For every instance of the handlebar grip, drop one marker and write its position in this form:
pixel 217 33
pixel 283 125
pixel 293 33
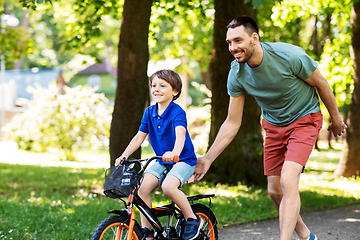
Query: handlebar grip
pixel 175 159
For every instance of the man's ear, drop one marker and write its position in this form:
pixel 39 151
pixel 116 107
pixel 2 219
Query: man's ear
pixel 255 37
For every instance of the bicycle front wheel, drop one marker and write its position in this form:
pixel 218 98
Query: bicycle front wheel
pixel 115 228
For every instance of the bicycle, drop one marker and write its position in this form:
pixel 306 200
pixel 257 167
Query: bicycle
pixel 123 181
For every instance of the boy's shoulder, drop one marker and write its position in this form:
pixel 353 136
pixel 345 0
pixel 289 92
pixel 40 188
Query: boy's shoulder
pixel 175 109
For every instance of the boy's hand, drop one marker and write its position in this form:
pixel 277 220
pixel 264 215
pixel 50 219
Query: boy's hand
pixel 168 157
pixel 119 160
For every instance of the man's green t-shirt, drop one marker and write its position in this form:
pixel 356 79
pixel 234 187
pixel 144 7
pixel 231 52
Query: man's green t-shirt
pixel 278 83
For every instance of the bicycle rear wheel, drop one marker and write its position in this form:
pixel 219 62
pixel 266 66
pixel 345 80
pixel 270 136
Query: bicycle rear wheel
pixel 115 227
pixel 209 229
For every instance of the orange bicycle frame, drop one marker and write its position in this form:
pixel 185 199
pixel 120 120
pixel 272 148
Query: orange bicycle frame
pixel 132 215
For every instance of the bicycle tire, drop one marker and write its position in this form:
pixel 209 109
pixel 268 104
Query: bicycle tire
pixel 108 228
pixel 209 229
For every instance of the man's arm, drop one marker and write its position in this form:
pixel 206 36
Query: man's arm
pixel 225 135
pixel 337 126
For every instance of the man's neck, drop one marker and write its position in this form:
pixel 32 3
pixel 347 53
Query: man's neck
pixel 257 57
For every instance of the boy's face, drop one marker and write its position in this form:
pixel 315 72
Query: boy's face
pixel 162 91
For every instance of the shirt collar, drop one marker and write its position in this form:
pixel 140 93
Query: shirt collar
pixel 166 113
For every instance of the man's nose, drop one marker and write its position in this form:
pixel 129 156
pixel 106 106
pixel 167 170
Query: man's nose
pixel 232 47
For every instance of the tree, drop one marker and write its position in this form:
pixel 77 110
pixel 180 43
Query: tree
pixel 14 41
pixel 349 164
pixel 83 30
pixel 242 159
pixel 183 29
pixel 132 93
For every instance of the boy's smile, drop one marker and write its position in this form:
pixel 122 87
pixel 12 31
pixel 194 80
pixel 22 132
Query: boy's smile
pixel 162 92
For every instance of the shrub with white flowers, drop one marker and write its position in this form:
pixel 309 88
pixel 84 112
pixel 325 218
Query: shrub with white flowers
pixel 79 118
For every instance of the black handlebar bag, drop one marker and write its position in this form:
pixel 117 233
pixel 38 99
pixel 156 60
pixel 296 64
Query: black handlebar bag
pixel 119 180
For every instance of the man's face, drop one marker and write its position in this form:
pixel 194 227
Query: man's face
pixel 240 44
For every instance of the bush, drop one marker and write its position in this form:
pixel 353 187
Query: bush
pixel 80 117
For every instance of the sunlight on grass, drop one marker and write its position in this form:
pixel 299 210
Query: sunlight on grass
pixel 318 178
pixel 326 185
pixel 222 190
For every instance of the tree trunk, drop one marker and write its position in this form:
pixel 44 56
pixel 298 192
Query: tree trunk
pixel 242 159
pixel 349 164
pixel 132 93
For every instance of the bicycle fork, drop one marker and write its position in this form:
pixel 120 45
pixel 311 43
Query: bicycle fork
pixel 145 210
pixel 132 218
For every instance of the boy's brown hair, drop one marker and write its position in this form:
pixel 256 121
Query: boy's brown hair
pixel 170 77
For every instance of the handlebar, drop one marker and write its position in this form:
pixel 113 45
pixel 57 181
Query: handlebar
pixel 147 161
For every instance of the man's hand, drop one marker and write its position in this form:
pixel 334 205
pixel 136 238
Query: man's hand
pixel 337 127
pixel 201 169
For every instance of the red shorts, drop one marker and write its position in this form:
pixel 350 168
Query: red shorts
pixel 291 143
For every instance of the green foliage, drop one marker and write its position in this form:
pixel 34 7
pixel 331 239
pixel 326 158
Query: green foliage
pixel 65 29
pixel 14 43
pixel 182 29
pixel 32 4
pixel 80 117
pixel 336 63
pixel 89 25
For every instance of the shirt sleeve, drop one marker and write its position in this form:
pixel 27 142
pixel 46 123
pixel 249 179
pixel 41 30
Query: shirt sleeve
pixel 144 127
pixel 302 65
pixel 180 119
pixel 233 84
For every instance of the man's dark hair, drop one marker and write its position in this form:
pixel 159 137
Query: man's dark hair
pixel 249 24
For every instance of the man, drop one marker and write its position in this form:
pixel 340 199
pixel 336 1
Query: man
pixel 285 82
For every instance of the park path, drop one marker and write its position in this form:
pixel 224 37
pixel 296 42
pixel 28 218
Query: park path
pixel 332 224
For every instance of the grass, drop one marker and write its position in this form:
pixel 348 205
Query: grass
pixel 66 203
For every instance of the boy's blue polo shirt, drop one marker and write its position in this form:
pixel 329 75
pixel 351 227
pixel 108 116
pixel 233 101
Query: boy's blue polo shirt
pixel 161 130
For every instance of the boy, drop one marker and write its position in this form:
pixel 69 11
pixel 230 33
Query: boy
pixel 166 124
